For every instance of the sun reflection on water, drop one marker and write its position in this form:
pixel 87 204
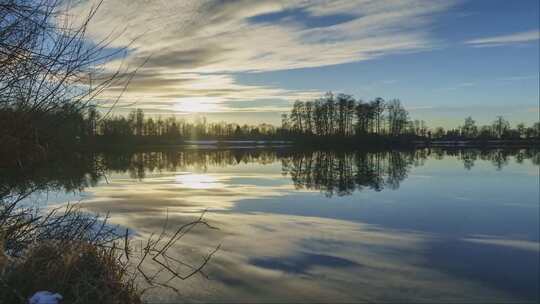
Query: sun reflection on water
pixel 198 181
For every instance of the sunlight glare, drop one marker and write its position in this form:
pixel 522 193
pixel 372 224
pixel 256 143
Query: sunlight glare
pixel 198 181
pixel 197 105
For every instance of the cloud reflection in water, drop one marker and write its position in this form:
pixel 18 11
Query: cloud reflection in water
pixel 281 257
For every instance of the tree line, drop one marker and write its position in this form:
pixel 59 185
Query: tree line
pixel 344 116
pixel 500 128
pixel 336 116
pixel 137 125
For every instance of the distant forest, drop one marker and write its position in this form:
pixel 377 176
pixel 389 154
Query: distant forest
pixel 332 118
pixel 329 120
pixel 344 116
pixel 337 117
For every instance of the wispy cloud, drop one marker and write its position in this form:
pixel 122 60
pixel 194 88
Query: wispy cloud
pixel 518 78
pixel 514 38
pixel 196 47
pixel 462 85
pixel 499 241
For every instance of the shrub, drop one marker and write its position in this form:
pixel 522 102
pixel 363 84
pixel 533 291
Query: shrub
pixel 80 272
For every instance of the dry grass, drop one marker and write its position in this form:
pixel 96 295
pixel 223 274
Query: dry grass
pixel 80 272
pixel 83 258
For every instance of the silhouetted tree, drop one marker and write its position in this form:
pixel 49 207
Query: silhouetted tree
pixel 469 129
pixel 500 127
pixel 378 106
pixel 397 117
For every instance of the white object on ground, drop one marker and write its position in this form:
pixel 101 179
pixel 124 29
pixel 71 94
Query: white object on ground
pixel 45 297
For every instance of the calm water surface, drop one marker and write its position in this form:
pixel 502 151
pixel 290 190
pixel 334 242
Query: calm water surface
pixel 428 225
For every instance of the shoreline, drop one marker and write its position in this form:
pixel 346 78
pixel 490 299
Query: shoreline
pixel 348 143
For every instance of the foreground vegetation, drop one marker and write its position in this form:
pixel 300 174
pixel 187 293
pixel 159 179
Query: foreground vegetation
pixel 44 65
pixel 78 272
pixel 49 77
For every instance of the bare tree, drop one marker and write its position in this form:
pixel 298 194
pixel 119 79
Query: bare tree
pixel 500 126
pixel 397 117
pixel 48 67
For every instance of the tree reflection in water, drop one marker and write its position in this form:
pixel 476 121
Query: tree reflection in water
pixel 332 172
pixel 342 173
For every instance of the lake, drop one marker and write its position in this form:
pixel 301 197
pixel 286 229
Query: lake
pixel 427 225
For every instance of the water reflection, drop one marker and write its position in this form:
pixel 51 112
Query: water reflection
pixel 68 173
pixel 330 172
pixel 425 225
pixel 197 181
pixel 343 173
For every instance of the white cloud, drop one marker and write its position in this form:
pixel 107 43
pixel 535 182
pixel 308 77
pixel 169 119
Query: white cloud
pixel 518 78
pixel 521 37
pixel 194 47
pixel 459 86
pixel 517 244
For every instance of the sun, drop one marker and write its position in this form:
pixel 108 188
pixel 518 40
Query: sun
pixel 197 104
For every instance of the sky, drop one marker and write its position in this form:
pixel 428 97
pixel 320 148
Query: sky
pixel 246 61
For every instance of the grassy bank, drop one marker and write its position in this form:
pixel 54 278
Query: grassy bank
pixel 64 251
pixel 81 257
pixel 80 272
